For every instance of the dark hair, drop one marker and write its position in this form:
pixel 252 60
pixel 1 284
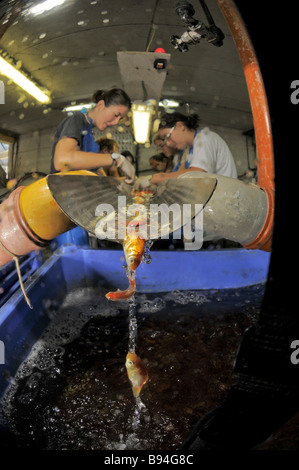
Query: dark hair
pixel 169 120
pixel 105 143
pixel 127 153
pixel 159 157
pixel 115 96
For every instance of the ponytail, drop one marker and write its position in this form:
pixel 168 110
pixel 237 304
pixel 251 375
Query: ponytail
pixel 113 97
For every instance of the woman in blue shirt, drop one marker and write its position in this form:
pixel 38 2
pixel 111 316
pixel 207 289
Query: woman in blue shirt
pixel 74 147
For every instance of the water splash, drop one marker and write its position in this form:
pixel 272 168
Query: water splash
pixel 139 408
pixel 132 302
pixel 147 258
pixel 132 324
pixel 133 327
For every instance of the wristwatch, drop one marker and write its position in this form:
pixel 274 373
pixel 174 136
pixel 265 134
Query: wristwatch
pixel 115 156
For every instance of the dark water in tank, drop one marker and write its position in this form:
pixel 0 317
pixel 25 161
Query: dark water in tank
pixel 73 393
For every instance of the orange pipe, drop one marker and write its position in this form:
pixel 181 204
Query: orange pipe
pixel 261 117
pixel 44 216
pixel 15 235
pixel 30 218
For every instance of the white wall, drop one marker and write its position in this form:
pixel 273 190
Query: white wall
pixel 34 153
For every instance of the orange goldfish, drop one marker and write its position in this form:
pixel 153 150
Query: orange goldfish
pixel 133 249
pixel 123 294
pixel 133 246
pixel 137 372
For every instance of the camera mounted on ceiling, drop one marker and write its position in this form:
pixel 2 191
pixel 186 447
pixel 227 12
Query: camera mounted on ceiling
pixel 160 64
pixel 197 30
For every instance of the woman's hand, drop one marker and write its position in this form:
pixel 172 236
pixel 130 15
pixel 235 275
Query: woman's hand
pixel 128 169
pixel 160 177
pixel 142 183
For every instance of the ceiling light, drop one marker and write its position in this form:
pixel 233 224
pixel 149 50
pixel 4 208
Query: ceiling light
pixel 169 103
pixel 2 98
pixel 142 114
pixel 45 6
pixel 20 79
pixel 77 107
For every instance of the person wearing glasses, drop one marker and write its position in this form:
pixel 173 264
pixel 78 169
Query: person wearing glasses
pixel 173 154
pixel 207 151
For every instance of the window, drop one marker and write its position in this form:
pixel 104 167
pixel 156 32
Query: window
pixel 4 149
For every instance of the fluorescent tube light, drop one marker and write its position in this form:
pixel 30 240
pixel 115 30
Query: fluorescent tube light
pixel 142 119
pixel 20 79
pixel 166 103
pixel 45 6
pixel 77 107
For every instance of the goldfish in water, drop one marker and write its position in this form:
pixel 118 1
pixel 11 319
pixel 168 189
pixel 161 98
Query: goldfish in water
pixel 137 372
pixel 133 249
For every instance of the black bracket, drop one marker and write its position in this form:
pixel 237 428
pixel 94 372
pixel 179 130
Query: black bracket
pixel 197 30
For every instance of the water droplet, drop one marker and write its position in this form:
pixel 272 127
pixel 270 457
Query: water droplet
pixel 21 99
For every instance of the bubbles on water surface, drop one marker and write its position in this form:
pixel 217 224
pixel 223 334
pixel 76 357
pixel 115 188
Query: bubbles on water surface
pixel 184 297
pixel 151 306
pixel 73 391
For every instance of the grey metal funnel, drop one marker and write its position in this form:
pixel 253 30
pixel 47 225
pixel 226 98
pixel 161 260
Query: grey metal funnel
pixel 83 198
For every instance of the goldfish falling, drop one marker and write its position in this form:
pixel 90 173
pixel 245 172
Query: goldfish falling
pixel 133 249
pixel 133 246
pixel 137 372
